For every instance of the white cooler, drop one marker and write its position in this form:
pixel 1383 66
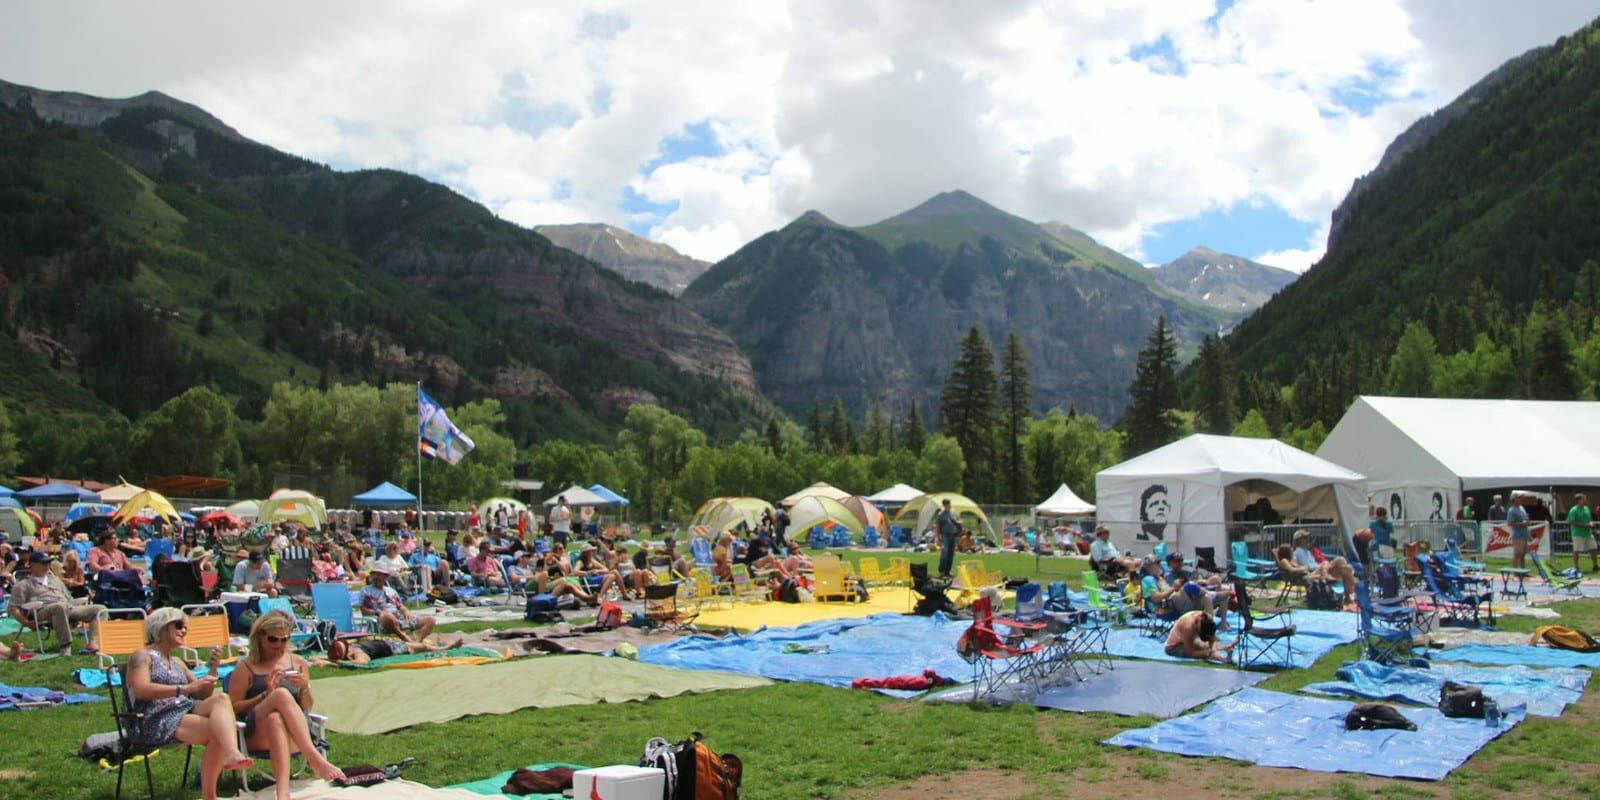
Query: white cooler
pixel 619 783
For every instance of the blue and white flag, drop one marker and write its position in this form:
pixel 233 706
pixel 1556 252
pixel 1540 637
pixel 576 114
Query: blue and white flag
pixel 437 436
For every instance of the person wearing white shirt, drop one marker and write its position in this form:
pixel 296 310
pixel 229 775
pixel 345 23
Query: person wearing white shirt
pixel 392 563
pixel 561 521
pixel 1105 557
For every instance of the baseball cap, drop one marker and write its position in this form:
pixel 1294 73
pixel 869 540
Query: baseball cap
pixel 257 555
pixel 38 557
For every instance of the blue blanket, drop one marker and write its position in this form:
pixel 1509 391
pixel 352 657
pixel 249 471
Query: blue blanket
pixel 1546 692
pixel 13 697
pixel 830 652
pixel 1316 632
pixel 1273 729
pixel 1518 654
pixel 96 678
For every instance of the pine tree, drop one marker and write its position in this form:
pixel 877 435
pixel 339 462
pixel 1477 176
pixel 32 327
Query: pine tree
pixel 1151 419
pixel 1411 367
pixel 774 436
pixel 915 434
pixel 1216 387
pixel 816 435
pixel 841 434
pixel 873 440
pixel 967 411
pixel 1016 413
pixel 1554 375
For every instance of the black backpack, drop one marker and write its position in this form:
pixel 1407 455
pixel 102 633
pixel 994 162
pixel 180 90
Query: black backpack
pixel 1456 700
pixel 1376 716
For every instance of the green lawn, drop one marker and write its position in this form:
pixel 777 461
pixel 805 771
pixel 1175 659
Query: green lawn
pixel 806 741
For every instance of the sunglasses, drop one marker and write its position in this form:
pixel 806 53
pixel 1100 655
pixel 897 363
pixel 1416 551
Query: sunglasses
pixel 276 639
pixel 182 626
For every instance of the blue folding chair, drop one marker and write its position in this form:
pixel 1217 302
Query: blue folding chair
pixel 1453 598
pixel 870 537
pixel 1251 571
pixel 332 602
pixel 1386 630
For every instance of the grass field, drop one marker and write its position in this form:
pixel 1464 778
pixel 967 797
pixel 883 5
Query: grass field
pixel 808 741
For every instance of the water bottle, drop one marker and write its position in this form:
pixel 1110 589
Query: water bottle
pixel 1491 713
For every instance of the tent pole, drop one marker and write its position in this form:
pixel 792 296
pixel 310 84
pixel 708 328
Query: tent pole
pixel 419 466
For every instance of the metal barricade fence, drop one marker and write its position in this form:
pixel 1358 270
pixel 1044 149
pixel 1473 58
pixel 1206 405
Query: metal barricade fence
pixel 1435 533
pixel 1561 537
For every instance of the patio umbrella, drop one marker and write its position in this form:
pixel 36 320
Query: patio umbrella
pixel 222 517
pixel 121 493
pixel 86 523
pixel 83 509
pixel 146 504
pixel 56 491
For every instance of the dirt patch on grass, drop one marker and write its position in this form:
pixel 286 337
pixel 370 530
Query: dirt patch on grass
pixel 1127 774
pixel 15 774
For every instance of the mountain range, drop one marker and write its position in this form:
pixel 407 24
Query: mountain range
pixel 629 254
pixel 1230 283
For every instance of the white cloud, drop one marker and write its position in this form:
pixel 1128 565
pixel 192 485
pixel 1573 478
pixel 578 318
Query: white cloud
pixel 1298 259
pixel 858 108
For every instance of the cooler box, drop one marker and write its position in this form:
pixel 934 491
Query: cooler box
pixel 619 783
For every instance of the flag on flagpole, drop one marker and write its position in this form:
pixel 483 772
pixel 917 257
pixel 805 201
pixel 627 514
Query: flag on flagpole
pixel 437 436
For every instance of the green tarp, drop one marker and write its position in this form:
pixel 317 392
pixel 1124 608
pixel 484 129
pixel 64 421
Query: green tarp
pixel 389 700
pixel 494 783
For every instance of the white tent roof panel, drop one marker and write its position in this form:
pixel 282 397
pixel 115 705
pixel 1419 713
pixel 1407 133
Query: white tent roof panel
pixel 1064 503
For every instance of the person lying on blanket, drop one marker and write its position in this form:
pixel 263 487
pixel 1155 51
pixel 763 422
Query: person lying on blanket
pixel 363 651
pixel 381 601
pixel 1194 635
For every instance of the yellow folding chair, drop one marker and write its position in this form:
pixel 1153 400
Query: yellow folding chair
pixel 122 635
pixel 208 629
pixel 744 586
pixel 872 573
pixel 900 571
pixel 833 585
pixel 975 576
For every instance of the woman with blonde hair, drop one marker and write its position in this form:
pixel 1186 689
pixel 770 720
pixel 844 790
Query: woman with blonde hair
pixel 271 693
pixel 72 573
pixel 174 705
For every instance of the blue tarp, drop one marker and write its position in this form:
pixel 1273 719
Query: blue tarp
pixel 1546 692
pixel 96 678
pixel 1135 688
pixel 1316 632
pixel 1273 729
pixel 57 491
pixel 385 494
pixel 871 647
pixel 610 496
pixel 1518 654
pixel 11 696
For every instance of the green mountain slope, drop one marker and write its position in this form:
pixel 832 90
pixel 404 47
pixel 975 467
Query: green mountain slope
pixel 875 313
pixel 1504 195
pixel 158 249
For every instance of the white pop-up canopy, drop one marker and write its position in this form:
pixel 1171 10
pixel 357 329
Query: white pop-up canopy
pixel 1419 454
pixel 577 496
pixel 1065 503
pixel 1187 492
pixel 896 495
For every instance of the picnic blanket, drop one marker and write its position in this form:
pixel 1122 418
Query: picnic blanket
pixel 1273 729
pixel 830 652
pixel 388 700
pixel 1545 692
pixel 564 638
pixel 13 698
pixel 453 657
pixel 1136 688
pixel 492 785
pixel 746 616
pixel 91 678
pixel 1519 654
pixel 1316 633
pixel 398 789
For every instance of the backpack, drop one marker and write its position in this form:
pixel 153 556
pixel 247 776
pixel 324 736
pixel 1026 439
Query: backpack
pixel 610 615
pixel 693 771
pixel 542 608
pixel 1376 716
pixel 1565 638
pixel 1319 594
pixel 444 594
pixel 1456 700
pixel 788 591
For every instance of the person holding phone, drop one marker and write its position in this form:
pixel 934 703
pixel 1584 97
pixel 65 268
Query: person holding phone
pixel 271 693
pixel 174 705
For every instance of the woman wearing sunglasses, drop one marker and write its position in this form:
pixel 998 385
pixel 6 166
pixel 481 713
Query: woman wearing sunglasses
pixel 174 705
pixel 271 693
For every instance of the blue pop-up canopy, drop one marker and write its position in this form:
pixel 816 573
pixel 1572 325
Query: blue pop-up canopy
pixel 609 495
pixel 57 491
pixel 385 494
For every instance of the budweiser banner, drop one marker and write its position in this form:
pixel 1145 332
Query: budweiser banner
pixel 1498 539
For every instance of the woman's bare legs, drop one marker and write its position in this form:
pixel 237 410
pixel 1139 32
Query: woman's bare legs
pixel 281 703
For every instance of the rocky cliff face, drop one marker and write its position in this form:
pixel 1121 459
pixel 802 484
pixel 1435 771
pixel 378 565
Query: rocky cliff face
pixel 634 257
pixel 827 310
pixel 1230 283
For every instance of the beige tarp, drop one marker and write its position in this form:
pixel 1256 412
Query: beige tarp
pixel 395 699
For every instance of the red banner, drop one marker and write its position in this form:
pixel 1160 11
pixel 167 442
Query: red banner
pixel 1500 536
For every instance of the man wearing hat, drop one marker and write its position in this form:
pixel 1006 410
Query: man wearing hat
pixel 254 574
pixel 41 597
pixel 381 601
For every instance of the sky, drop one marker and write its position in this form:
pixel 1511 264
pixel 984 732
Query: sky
pixel 1154 125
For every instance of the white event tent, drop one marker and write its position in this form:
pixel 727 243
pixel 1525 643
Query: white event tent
pixel 1186 493
pixel 577 496
pixel 1064 503
pixel 896 495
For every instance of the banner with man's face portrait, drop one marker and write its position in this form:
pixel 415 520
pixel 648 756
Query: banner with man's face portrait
pixel 1158 508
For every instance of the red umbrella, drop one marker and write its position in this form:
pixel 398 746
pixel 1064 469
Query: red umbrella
pixel 224 517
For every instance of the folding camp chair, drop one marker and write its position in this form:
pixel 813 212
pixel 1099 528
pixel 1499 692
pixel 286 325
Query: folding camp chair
pixel 127 721
pixel 208 629
pixel 872 572
pixel 1003 653
pixel 332 602
pixel 1556 584
pixel 744 586
pixel 304 631
pixel 1453 598
pixel 1385 630
pixel 1030 603
pixel 975 575
pixel 1108 606
pixel 118 633
pixel 1252 571
pixel 710 592
pixel 295 577
pixel 1453 551
pixel 661 608
pixel 178 584
pixel 38 625
pixel 1262 646
pixel 700 548
pixel 899 573
pixel 833 585
pixel 119 589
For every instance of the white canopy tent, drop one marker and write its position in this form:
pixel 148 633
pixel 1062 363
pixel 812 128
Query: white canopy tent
pixel 577 497
pixel 1064 503
pixel 1187 492
pixel 896 495
pixel 1420 455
